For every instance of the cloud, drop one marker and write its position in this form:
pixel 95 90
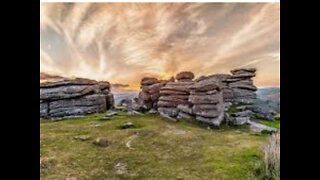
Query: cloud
pixel 122 42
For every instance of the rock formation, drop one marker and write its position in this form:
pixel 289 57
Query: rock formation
pixel 172 95
pixel 175 93
pixel 149 94
pixel 207 100
pixel 201 100
pixel 74 97
pixel 238 90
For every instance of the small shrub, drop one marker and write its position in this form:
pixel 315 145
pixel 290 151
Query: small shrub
pixel 272 157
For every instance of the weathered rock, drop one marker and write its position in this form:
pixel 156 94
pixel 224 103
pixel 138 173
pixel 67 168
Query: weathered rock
pixel 111 113
pixel 257 127
pixel 206 99
pixel 149 81
pixel 154 97
pixel 219 77
pixel 77 81
pixel 263 112
pixel 167 116
pixel 171 103
pixel 212 121
pixel 134 113
pixel 82 137
pixel 184 115
pixel 243 70
pixel 244 86
pixel 185 75
pixel 174 98
pixel 173 92
pixel 66 92
pixel 155 88
pixel 83 105
pixel 243 76
pixel 208 113
pixel 203 93
pixel 74 97
pixel 206 85
pixel 246 113
pixel 169 111
pixel 237 121
pixel 110 101
pixel 200 107
pixel 152 111
pixel 227 105
pixel 144 96
pixel 44 109
pixel 137 106
pixel 149 94
pixel 127 125
pixel 120 168
pixel 101 142
pixel 183 89
pixel 185 108
pixel 241 82
pixel 125 102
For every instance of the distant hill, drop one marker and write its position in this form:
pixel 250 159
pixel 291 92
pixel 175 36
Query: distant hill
pixel 269 93
pixel 269 97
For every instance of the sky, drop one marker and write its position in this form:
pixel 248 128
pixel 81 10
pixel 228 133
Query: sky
pixel 124 42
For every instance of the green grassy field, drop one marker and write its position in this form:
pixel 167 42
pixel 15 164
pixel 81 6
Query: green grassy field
pixel 158 149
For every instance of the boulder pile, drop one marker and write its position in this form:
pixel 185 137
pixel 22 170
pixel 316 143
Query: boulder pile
pixel 207 100
pixel 237 87
pixel 175 93
pixel 242 86
pixel 149 94
pixel 74 97
pixel 238 91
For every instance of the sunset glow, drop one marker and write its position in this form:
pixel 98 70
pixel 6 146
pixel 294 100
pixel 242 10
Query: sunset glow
pixel 123 42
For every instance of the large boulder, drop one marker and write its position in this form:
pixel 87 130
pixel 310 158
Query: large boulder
pixel 185 75
pixel 74 97
pixel 67 91
pixel 243 70
pixel 76 81
pixel 211 121
pixel 149 81
pixel 170 111
pixel 79 106
pixel 206 99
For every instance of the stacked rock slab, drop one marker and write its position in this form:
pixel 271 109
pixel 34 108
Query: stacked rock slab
pixel 242 86
pixel 237 87
pixel 175 94
pixel 222 79
pixel 207 100
pixel 74 97
pixel 150 93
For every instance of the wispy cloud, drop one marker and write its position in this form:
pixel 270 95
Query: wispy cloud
pixel 122 42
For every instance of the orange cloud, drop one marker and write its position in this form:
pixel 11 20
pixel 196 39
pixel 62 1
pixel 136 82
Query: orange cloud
pixel 122 42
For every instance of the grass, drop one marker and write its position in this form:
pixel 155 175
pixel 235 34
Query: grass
pixel 272 157
pixel 160 149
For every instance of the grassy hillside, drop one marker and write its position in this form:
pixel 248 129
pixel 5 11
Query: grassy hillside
pixel 154 149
